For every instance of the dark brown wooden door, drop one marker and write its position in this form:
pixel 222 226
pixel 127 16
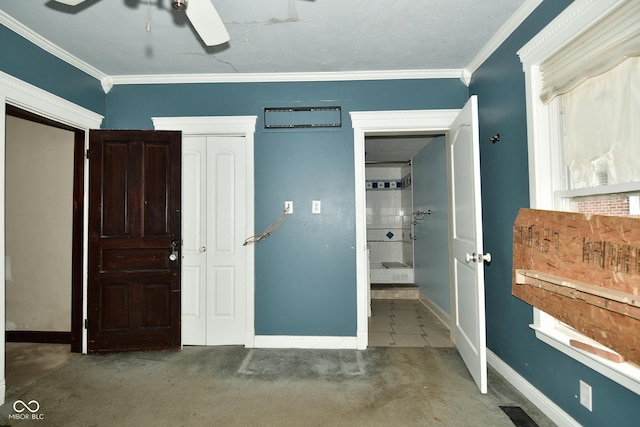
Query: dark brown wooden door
pixel 134 226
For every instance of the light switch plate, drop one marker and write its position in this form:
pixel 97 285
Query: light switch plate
pixel 316 206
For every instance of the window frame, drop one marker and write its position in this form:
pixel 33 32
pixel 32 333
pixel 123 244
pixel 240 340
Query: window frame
pixel 547 179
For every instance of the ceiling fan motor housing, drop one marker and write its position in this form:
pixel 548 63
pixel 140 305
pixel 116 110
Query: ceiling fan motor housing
pixel 179 4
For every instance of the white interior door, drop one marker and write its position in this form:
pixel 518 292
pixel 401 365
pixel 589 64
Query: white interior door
pixel 194 240
pixel 214 222
pixel 467 252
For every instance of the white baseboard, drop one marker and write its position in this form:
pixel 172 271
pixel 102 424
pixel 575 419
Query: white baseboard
pixel 442 315
pixel 249 339
pixel 290 341
pixel 546 405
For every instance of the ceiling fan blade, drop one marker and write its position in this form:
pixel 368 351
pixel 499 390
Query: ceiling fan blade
pixel 70 2
pixel 207 22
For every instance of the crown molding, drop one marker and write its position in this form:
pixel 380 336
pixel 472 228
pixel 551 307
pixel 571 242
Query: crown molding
pixel 500 36
pixel 35 38
pixel 31 98
pixel 573 21
pixel 286 77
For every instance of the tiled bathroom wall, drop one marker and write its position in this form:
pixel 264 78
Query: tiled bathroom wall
pixel 389 207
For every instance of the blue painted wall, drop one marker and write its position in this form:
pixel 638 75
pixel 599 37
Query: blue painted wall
pixel 499 84
pixel 23 60
pixel 431 247
pixel 305 272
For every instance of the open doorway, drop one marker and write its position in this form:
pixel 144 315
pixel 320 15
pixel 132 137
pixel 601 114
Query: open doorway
pixel 407 239
pixel 43 243
pixel 465 255
pixel 389 194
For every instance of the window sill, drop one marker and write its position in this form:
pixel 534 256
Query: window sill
pixel 626 187
pixel 626 374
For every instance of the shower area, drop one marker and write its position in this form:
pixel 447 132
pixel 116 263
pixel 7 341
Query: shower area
pixel 389 222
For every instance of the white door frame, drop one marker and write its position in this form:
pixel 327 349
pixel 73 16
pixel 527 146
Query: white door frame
pixel 244 126
pixel 383 122
pixel 20 94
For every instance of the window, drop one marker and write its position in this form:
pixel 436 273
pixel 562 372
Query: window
pixel 565 66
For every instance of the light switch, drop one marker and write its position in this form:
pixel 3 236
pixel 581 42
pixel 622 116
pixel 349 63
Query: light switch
pixel 316 207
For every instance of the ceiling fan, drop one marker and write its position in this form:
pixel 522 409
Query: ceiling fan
pixel 201 13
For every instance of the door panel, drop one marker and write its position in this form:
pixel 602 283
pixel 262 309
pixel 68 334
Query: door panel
pixel 227 260
pixel 467 250
pixel 194 245
pixel 134 223
pixel 214 264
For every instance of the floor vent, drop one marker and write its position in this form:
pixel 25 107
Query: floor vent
pixel 518 416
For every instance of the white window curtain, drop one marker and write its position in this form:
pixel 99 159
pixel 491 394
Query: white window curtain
pixel 602 128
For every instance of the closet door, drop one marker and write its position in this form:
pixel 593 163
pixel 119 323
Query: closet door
pixel 214 263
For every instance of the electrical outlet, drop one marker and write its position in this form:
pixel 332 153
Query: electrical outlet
pixel 288 206
pixel 316 206
pixel 585 395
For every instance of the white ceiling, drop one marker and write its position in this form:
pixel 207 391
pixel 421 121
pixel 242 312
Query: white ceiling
pixel 393 150
pixel 269 36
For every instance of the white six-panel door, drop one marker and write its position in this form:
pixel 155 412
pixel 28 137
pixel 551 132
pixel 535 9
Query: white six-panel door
pixel 467 249
pixel 214 219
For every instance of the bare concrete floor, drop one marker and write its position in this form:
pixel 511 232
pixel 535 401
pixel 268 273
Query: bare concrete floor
pixel 235 386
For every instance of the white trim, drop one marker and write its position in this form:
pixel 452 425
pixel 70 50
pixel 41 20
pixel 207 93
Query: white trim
pixel 368 122
pixel 33 99
pixel 542 402
pixel 208 125
pixel 403 120
pixel 545 176
pixel 286 77
pixel 622 373
pixel 35 38
pixel 503 33
pixel 576 19
pixel 311 342
pixel 624 187
pixel 229 125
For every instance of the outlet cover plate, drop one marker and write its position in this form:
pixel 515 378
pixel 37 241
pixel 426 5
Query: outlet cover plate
pixel 585 395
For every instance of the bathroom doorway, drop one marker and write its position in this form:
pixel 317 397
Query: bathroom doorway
pixel 407 239
pixel 390 213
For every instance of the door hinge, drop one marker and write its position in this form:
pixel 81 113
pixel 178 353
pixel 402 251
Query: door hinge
pixel 88 153
pixel 86 323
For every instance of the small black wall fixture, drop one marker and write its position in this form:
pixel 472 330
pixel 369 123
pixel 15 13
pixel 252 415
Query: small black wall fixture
pixel 495 138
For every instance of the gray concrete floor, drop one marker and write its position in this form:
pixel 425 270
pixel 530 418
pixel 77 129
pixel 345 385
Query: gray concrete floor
pixel 235 386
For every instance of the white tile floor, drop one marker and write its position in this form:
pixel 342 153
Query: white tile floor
pixel 405 323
